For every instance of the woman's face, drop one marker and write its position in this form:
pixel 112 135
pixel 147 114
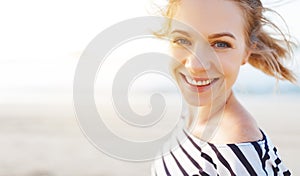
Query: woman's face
pixel 208 57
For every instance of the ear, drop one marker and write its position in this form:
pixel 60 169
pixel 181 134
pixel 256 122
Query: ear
pixel 249 51
pixel 246 58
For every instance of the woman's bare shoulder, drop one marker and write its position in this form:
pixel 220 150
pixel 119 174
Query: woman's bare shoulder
pixel 237 131
pixel 238 126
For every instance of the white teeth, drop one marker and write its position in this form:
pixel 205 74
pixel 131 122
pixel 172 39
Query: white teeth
pixel 198 83
pixel 194 82
pixel 189 80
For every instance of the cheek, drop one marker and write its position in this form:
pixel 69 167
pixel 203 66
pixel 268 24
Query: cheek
pixel 179 54
pixel 175 65
pixel 231 64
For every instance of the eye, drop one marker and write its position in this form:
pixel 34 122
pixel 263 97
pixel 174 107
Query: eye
pixel 182 41
pixel 221 44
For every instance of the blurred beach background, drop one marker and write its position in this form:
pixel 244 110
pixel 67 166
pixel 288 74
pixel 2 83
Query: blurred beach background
pixel 41 42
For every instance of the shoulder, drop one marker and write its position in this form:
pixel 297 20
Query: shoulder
pixel 237 133
pixel 245 129
pixel 255 158
pixel 237 126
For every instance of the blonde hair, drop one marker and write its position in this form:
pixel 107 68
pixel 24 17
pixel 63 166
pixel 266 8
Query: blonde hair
pixel 268 53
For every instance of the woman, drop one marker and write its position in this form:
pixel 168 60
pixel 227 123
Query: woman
pixel 225 139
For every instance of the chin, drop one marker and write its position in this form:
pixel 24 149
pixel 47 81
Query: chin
pixel 197 100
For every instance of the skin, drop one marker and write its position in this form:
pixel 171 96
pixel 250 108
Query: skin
pixel 213 52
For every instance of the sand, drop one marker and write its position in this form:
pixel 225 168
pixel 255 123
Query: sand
pixel 40 136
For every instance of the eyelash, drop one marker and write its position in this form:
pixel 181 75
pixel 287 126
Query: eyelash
pixel 186 42
pixel 227 45
pixel 182 41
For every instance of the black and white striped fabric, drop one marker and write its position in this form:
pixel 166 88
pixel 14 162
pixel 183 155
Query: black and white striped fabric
pixel 195 157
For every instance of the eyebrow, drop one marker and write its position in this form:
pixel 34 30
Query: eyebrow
pixel 181 32
pixel 212 36
pixel 219 35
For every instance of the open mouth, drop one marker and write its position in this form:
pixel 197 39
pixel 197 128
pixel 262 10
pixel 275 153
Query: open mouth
pixel 198 82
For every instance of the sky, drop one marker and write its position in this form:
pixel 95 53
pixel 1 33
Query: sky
pixel 41 41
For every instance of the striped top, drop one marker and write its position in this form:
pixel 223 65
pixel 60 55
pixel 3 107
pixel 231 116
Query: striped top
pixel 196 157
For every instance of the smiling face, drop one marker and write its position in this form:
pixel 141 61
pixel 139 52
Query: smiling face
pixel 209 57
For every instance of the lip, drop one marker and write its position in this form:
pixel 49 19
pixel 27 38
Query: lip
pixel 199 89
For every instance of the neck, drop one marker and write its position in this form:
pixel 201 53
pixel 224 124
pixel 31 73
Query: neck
pixel 209 116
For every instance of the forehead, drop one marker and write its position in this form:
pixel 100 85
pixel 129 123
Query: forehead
pixel 211 16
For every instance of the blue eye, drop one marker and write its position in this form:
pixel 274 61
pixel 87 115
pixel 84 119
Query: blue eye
pixel 182 41
pixel 221 44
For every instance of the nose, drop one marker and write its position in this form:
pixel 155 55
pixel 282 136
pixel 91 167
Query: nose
pixel 196 63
